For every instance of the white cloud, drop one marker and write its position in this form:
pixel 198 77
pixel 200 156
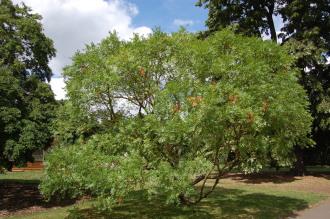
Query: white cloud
pixel 180 22
pixel 74 23
pixel 58 87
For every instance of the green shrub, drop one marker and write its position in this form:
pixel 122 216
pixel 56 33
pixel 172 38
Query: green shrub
pixel 176 111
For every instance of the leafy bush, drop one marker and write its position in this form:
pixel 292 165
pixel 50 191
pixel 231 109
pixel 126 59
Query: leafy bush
pixel 176 111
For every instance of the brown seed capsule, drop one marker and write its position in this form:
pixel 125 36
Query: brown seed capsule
pixel 265 106
pixel 250 117
pixel 194 101
pixel 233 99
pixel 142 72
pixel 177 107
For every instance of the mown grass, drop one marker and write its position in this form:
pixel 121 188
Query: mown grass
pixel 224 203
pixel 21 177
pixel 228 201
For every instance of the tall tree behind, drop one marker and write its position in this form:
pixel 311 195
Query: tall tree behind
pixel 306 33
pixel 26 101
pixel 251 17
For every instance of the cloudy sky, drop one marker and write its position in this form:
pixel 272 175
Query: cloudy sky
pixel 74 23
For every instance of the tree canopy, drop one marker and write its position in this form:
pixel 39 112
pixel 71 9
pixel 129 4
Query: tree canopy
pixel 173 111
pixel 26 101
pixel 252 17
pixel 305 31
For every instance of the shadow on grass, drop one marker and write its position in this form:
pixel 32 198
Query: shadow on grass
pixel 19 181
pixel 223 203
pixel 319 171
pixel 259 178
pixel 315 170
pixel 325 176
pixel 279 177
pixel 18 195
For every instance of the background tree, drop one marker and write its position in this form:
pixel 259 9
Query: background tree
pixel 177 111
pixel 26 101
pixel 305 33
pixel 251 17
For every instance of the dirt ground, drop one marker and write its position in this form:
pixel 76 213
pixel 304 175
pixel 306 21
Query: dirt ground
pixel 319 183
pixel 17 199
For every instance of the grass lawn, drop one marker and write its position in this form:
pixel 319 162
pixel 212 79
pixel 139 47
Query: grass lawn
pixel 21 177
pixel 232 200
pixel 246 202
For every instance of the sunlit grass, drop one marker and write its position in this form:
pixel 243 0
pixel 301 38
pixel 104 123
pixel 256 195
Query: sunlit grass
pixel 22 177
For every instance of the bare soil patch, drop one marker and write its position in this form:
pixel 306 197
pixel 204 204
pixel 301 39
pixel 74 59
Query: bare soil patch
pixel 319 183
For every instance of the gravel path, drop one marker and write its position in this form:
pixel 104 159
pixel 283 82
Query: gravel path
pixel 320 211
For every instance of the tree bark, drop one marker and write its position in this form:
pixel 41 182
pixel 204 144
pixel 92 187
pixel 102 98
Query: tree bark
pixel 299 168
pixel 271 24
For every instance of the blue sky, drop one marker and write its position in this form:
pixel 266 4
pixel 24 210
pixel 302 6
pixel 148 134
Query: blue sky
pixel 167 14
pixel 163 13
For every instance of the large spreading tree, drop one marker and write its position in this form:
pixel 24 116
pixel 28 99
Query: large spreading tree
pixel 173 112
pixel 305 32
pixel 26 101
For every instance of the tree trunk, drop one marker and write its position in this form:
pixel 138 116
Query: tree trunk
pixel 183 200
pixel 299 168
pixel 270 22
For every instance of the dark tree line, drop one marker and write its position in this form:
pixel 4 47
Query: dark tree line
pixel 27 103
pixel 305 31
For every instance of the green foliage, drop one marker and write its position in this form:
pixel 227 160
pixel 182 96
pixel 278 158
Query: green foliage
pixel 26 112
pixel 175 111
pixel 251 17
pixel 86 170
pixel 72 125
pixel 305 33
pixel 26 102
pixel 23 45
